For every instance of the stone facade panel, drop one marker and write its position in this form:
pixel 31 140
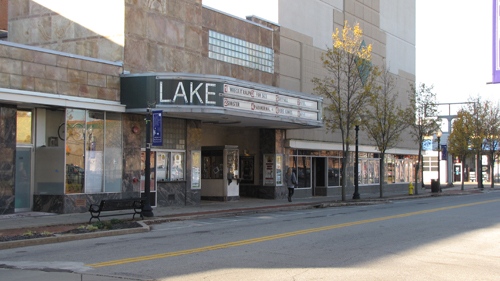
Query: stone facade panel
pixel 10 66
pixel 77 76
pixel 18 8
pixel 138 25
pixel 4 80
pixel 69 89
pixel 22 82
pixel 68 62
pixel 194 37
pixel 135 55
pixel 33 70
pixel 62 28
pixel 113 82
pixel 95 79
pixel 45 58
pixel 108 94
pixel 45 85
pixel 175 33
pixel 56 73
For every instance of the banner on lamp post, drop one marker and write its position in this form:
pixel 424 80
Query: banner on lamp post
pixel 157 128
pixel 444 152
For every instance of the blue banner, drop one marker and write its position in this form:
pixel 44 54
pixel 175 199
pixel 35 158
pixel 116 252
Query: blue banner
pixel 157 128
pixel 444 152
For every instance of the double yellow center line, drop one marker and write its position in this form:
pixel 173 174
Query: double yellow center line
pixel 276 236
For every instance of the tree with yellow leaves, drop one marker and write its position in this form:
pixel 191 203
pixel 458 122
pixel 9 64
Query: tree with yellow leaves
pixel 348 87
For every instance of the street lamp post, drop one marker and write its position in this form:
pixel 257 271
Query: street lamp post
pixel 439 134
pixel 147 210
pixel 356 164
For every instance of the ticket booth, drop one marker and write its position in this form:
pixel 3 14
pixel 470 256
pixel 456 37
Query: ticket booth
pixel 220 173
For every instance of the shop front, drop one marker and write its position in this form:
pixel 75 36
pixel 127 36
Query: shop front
pixel 233 140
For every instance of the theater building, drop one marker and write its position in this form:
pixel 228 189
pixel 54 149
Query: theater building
pixel 228 102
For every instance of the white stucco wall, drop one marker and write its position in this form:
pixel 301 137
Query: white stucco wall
pixel 309 17
pixel 398 21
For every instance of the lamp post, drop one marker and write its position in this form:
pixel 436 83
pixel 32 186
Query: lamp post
pixel 356 164
pixel 439 134
pixel 147 210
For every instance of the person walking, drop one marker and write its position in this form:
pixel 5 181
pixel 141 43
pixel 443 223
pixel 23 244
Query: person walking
pixel 290 181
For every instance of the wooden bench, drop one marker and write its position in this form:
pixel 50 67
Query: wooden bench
pixel 135 204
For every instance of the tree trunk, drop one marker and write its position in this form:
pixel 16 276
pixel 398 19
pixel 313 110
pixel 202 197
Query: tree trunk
pixel 382 174
pixel 420 164
pixel 343 173
pixel 461 170
pixel 492 168
pixel 479 171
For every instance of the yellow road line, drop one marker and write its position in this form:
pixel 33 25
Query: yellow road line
pixel 276 236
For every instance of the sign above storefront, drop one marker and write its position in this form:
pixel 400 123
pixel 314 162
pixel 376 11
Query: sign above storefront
pixel 190 92
pixel 203 94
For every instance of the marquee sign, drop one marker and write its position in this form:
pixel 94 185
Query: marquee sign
pixel 244 99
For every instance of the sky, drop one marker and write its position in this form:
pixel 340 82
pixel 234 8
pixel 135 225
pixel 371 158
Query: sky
pixel 453 44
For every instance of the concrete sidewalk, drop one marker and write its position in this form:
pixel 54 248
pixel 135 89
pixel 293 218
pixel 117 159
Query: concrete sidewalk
pixel 211 208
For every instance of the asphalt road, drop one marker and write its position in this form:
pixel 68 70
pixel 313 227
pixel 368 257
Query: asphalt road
pixel 441 238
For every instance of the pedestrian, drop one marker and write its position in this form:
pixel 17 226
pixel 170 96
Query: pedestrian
pixel 290 181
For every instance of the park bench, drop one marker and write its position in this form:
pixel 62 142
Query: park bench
pixel 135 204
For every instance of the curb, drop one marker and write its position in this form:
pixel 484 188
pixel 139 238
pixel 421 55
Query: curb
pixel 207 214
pixel 71 237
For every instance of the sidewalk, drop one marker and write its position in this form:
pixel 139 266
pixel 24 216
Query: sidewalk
pixel 31 220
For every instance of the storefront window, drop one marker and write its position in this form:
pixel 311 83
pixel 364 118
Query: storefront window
pixel 74 136
pixel 301 166
pixel 93 151
pixel 94 138
pixel 405 170
pixel 177 171
pixel 152 171
pixel 164 166
pixel 389 169
pixel 113 153
pixel 334 171
pixel 24 127
pixel 369 170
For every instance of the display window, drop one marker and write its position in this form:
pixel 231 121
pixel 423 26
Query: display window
pixel 97 136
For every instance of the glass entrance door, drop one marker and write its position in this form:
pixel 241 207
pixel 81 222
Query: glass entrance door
pixel 23 179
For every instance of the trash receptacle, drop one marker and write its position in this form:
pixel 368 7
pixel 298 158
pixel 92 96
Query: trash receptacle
pixel 434 186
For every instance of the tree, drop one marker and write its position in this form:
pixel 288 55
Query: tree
pixel 347 88
pixel 492 137
pixel 421 119
pixel 460 138
pixel 382 121
pixel 484 120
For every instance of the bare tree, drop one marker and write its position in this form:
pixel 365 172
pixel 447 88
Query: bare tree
pixel 422 119
pixel 492 137
pixel 348 87
pixel 382 120
pixel 484 121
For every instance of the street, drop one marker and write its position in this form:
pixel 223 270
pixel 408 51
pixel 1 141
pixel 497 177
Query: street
pixel 438 238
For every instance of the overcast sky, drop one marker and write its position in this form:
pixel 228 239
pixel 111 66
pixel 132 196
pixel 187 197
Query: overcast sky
pixel 453 44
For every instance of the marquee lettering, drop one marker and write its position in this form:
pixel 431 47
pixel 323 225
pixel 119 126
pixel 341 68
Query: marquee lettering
pixel 193 96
